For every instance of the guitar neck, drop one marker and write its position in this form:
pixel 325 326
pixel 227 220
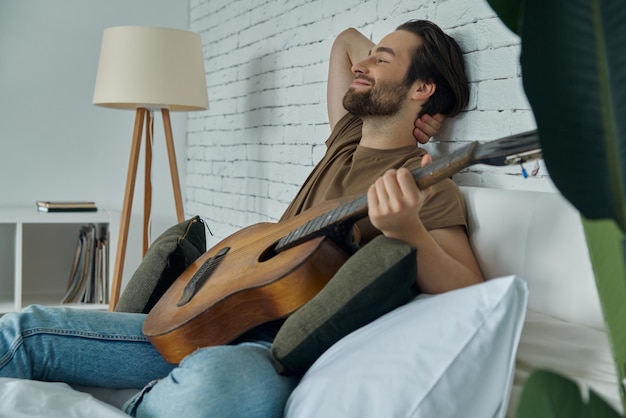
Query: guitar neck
pixel 444 167
pixel 348 213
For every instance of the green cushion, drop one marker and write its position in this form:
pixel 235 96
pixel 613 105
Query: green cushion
pixel 166 259
pixel 376 279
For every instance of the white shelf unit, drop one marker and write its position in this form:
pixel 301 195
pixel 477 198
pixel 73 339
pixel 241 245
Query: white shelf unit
pixel 36 254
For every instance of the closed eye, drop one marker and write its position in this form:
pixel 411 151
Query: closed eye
pixel 384 54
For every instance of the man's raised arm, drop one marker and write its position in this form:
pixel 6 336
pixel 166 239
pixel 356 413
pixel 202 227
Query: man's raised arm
pixel 350 47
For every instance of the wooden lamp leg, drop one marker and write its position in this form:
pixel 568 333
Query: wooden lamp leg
pixel 171 153
pixel 126 209
pixel 147 195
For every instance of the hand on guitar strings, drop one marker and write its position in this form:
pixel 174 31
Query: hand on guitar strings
pixel 394 201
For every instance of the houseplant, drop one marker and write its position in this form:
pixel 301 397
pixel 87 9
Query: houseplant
pixel 573 58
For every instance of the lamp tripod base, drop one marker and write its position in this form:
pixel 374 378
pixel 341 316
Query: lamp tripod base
pixel 142 114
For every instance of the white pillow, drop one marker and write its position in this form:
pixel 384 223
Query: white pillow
pixel 449 355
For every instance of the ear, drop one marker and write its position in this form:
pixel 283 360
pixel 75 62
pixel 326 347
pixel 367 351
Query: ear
pixel 423 90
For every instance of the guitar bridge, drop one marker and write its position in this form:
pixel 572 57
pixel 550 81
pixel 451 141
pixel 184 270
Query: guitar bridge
pixel 201 276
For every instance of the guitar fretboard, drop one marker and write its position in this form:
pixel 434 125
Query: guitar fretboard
pixel 347 213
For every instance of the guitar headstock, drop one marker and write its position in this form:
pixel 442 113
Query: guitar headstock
pixel 515 149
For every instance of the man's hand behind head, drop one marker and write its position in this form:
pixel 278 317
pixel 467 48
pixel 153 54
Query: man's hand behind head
pixel 427 126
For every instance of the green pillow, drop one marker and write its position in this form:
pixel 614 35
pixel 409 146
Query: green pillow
pixel 166 259
pixel 375 280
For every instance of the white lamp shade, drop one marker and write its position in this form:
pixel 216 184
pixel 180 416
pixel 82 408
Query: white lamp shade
pixel 151 67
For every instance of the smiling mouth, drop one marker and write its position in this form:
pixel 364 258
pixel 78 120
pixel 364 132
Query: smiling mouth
pixel 361 82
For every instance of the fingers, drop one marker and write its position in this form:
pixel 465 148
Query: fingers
pixel 394 191
pixel 384 187
pixel 408 190
pixel 394 201
pixel 427 126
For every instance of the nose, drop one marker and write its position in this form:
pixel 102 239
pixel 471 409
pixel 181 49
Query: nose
pixel 360 67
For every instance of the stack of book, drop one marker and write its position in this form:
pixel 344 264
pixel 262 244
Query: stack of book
pixel 77 206
pixel 88 281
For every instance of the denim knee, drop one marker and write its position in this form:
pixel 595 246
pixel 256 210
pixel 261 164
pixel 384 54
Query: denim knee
pixel 224 381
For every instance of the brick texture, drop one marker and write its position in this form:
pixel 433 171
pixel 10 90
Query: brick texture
pixel 266 66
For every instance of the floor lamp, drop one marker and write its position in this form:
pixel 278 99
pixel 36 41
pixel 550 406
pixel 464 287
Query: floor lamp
pixel 148 69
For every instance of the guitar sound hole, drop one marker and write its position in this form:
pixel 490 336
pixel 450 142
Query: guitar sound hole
pixel 268 253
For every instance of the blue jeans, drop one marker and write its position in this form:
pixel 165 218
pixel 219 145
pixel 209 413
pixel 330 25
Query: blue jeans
pixel 105 349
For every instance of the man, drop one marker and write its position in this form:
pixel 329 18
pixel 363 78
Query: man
pixel 416 70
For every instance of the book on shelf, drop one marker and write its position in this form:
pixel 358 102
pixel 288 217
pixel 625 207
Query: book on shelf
pixel 66 206
pixel 88 279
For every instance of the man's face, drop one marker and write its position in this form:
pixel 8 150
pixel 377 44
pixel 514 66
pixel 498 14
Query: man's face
pixel 379 87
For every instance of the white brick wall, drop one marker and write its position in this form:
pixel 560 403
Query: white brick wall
pixel 266 64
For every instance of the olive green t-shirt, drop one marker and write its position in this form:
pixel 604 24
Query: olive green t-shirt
pixel 348 169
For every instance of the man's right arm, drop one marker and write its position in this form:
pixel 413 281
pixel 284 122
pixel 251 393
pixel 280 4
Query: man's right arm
pixel 350 47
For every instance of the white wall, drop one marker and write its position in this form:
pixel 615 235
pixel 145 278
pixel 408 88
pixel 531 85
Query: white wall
pixel 56 145
pixel 266 64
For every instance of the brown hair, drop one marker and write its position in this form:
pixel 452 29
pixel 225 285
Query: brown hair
pixel 439 60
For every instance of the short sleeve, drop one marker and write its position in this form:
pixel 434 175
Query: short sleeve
pixel 444 207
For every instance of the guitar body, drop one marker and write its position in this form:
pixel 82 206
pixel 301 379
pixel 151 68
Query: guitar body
pixel 251 285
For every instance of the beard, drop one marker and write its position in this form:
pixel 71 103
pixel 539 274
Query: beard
pixel 383 99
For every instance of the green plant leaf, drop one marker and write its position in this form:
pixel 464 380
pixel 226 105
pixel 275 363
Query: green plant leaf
pixel 574 73
pixel 546 394
pixel 607 249
pixel 510 12
pixel 549 395
pixel 597 407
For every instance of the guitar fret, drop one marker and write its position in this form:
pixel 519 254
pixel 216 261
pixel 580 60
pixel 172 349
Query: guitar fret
pixel 307 228
pixel 341 212
pixel 290 237
pixel 322 221
pixel 293 236
pixel 359 204
pixel 331 217
pixel 299 233
pixel 347 208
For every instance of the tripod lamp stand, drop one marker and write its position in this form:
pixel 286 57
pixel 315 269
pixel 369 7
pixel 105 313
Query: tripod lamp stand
pixel 148 69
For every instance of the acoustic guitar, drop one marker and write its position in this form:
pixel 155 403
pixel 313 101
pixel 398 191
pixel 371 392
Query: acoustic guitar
pixel 268 270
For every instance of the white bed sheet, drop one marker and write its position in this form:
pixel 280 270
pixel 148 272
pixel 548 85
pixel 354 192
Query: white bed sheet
pixel 28 399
